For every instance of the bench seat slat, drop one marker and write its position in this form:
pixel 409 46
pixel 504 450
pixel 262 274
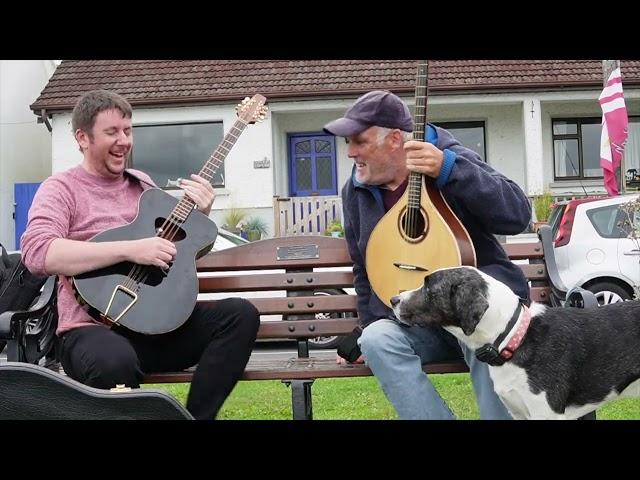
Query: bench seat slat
pixel 302 368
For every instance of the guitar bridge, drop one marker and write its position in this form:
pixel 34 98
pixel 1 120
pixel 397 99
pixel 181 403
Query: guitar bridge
pixel 406 266
pixel 126 291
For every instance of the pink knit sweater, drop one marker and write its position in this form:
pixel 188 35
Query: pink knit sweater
pixel 76 205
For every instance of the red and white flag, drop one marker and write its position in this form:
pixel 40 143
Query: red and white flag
pixel 615 129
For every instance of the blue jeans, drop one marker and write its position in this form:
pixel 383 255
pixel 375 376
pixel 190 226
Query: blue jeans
pixel 395 353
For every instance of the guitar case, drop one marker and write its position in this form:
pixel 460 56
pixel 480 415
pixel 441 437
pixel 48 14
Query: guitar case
pixel 31 392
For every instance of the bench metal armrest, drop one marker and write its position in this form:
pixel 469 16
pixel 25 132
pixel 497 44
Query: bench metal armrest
pixel 8 320
pixel 30 335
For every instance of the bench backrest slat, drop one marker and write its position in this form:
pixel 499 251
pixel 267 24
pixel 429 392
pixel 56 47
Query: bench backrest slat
pixel 287 252
pixel 307 328
pixel 524 251
pixel 302 305
pixel 276 281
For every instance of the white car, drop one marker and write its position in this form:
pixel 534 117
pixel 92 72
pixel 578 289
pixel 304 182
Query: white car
pixel 593 247
pixel 227 239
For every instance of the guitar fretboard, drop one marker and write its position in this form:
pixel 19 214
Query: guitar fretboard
pixel 185 206
pixel 419 122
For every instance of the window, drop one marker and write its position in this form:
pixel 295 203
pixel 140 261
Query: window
pixel 606 220
pixel 168 152
pixel 576 147
pixel 469 134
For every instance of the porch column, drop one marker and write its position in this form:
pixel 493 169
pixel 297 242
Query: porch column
pixel 532 124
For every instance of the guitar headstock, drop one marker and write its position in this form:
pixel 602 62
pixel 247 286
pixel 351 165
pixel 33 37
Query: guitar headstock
pixel 253 109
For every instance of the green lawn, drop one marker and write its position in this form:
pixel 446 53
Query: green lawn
pixel 359 398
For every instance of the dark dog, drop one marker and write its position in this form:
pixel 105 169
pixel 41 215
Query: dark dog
pixel 567 362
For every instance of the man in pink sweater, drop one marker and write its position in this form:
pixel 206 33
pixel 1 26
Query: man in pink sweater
pixel 73 206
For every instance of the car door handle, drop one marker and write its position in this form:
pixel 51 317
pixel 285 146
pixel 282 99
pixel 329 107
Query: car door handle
pixel 635 251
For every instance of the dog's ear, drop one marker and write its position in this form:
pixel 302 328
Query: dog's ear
pixel 468 305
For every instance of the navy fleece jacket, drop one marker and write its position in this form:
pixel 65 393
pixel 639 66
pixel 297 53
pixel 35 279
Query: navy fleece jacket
pixel 485 201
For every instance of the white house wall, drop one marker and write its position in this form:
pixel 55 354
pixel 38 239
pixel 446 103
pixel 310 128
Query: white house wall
pixel 25 146
pixel 512 139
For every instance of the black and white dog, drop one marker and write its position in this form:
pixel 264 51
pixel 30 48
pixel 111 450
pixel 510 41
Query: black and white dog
pixel 545 363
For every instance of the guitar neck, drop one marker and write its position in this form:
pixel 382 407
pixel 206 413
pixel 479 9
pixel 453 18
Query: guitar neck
pixel 186 205
pixel 419 123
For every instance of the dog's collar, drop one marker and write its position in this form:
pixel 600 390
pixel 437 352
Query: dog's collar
pixel 490 353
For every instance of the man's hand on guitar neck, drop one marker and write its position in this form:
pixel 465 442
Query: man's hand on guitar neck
pixel 200 191
pixel 424 157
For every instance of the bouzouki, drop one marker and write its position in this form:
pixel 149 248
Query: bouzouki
pixel 420 233
pixel 148 299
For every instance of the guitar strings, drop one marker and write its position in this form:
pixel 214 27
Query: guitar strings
pixel 413 215
pixel 170 227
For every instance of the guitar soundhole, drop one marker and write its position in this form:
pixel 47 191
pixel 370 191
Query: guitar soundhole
pixel 171 231
pixel 413 224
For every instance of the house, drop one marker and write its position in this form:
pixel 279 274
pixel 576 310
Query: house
pixel 25 147
pixel 536 121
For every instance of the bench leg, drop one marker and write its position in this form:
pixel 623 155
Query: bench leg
pixel 301 398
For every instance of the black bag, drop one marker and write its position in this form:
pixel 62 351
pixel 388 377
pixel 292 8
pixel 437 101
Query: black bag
pixel 18 286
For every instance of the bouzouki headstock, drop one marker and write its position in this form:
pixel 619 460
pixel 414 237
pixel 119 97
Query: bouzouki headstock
pixel 253 109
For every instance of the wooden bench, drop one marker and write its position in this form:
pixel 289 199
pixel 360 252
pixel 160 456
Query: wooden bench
pixel 287 271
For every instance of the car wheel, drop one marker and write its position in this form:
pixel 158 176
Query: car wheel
pixel 332 341
pixel 607 293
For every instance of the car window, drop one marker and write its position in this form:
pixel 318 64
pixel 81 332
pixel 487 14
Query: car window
pixel 606 221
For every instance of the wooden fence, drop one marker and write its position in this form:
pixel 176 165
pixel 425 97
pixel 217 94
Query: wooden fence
pixel 305 215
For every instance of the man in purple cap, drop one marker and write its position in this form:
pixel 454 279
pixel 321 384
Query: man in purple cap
pixel 378 129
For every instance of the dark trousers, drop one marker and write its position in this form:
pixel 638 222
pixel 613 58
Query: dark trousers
pixel 219 338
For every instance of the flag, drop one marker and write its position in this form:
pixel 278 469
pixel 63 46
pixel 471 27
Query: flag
pixel 615 129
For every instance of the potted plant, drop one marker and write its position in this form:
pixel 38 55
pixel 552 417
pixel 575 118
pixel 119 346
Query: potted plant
pixel 335 229
pixel 255 227
pixel 542 205
pixel 233 220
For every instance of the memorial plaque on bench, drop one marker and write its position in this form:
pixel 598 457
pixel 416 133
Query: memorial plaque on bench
pixel 297 252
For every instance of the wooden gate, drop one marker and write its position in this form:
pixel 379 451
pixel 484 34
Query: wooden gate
pixel 305 215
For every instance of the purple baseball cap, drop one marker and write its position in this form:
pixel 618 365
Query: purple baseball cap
pixel 379 107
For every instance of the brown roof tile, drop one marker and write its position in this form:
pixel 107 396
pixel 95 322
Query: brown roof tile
pixel 153 82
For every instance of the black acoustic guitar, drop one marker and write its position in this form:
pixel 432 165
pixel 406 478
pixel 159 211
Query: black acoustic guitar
pixel 148 299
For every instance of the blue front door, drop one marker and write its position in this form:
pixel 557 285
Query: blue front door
pixel 23 194
pixel 312 164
